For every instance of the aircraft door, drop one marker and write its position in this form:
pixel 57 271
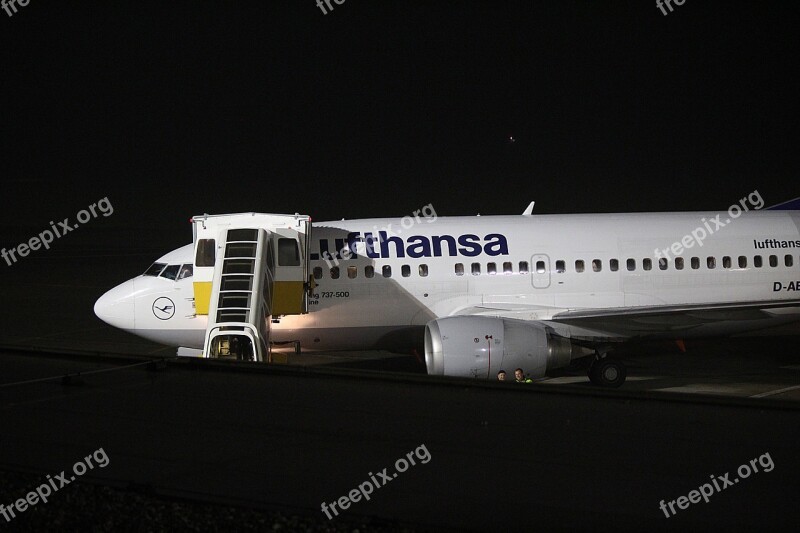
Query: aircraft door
pixel 290 293
pixel 540 271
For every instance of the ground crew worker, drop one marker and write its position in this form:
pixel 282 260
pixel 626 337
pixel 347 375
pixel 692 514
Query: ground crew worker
pixel 520 377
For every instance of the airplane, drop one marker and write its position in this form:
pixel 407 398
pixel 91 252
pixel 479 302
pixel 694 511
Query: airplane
pixel 481 293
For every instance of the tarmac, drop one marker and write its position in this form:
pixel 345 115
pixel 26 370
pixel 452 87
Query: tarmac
pixel 557 453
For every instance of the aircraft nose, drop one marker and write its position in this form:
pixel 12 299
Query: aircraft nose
pixel 116 307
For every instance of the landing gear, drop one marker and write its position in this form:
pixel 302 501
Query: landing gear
pixel 607 372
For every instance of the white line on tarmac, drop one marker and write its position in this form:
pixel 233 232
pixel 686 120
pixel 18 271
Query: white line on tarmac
pixel 771 393
pixel 706 388
pixel 583 379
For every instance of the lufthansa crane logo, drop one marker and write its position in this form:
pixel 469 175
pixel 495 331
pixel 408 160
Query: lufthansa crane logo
pixel 163 308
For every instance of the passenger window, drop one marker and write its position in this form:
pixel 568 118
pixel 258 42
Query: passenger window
pixel 405 271
pixel 579 265
pixel 711 262
pixel 679 263
pixel 540 267
pixel 788 260
pixel 334 272
pixel 523 267
pixel 288 252
pixel 757 261
pixel 352 272
pixel 369 271
pixel 613 265
pixel 459 269
pixel 387 271
pixel 647 264
pixel 317 272
pixel 597 265
pixel 155 269
pixel 171 272
pixel 631 264
pixel 663 263
pixel 726 262
pixel 773 261
pixel 491 268
pixel 561 266
pixel 695 263
pixel 187 271
pixel 423 271
pixel 507 268
pixel 742 261
pixel 206 253
pixel 476 269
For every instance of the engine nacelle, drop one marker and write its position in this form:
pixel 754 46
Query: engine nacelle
pixel 477 346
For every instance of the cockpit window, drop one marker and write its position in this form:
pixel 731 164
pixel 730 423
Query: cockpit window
pixel 171 272
pixel 185 272
pixel 155 269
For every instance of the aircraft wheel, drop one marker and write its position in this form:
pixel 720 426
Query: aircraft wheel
pixel 608 373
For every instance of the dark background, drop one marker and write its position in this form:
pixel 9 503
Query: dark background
pixel 172 109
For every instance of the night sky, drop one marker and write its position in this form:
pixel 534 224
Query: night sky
pixel 375 109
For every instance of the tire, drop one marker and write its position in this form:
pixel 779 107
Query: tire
pixel 608 373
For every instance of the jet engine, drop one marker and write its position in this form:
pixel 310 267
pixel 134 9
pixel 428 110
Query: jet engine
pixel 477 346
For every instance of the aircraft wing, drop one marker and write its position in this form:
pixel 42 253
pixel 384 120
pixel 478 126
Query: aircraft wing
pixel 675 320
pixel 661 321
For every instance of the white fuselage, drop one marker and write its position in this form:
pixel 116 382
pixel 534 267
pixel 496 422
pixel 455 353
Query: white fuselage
pixel 525 267
pixel 380 304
